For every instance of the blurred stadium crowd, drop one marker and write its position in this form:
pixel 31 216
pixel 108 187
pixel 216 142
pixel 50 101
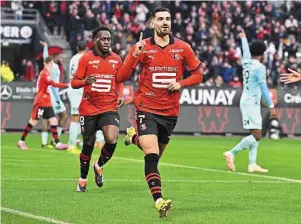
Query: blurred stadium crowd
pixel 210 27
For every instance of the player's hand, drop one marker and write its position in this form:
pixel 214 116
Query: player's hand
pixel 44 44
pixel 139 46
pixel 290 77
pixel 90 79
pixel 174 86
pixel 120 101
pixel 242 34
pixel 272 113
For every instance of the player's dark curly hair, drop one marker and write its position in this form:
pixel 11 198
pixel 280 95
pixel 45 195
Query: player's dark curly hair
pixel 257 48
pixel 159 9
pixel 100 28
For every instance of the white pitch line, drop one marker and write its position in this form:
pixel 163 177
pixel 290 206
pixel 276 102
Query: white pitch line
pixel 194 167
pixel 28 215
pixel 142 180
pixel 214 170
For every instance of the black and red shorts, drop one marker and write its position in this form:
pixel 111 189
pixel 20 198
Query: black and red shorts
pixel 45 112
pixel 154 124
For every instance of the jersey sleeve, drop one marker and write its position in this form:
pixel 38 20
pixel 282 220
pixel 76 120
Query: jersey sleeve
pixel 125 70
pixel 190 58
pixel 45 52
pixel 245 49
pixel 55 74
pixel 260 74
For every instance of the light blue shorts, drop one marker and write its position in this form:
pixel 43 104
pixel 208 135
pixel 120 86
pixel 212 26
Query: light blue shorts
pixel 58 107
pixel 251 116
pixel 75 98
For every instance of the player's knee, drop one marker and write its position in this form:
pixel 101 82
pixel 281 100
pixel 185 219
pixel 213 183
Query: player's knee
pixel 111 139
pixel 89 140
pixel 33 122
pixel 53 121
pixel 257 136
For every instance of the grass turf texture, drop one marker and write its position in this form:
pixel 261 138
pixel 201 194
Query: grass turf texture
pixel 42 182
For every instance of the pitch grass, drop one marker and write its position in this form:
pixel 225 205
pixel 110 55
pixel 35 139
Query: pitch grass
pixel 42 182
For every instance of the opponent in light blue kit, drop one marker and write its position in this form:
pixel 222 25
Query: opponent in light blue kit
pixel 58 106
pixel 254 77
pixel 75 97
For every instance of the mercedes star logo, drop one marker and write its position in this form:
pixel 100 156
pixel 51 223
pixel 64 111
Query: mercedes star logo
pixel 6 92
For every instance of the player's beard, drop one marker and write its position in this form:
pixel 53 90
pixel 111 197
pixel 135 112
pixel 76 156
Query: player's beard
pixel 161 32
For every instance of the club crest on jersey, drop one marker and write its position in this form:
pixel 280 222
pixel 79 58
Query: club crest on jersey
pixel 113 63
pixel 176 57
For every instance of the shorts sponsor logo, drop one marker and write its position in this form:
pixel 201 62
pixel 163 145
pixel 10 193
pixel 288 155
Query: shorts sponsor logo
pixel 142 127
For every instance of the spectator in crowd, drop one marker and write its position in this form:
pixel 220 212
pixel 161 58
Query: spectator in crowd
pixel 6 73
pixel 210 27
pixel 17 7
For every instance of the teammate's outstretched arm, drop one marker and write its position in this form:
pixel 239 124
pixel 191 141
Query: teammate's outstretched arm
pixel 265 91
pixel 245 45
pixel 287 78
pixel 132 59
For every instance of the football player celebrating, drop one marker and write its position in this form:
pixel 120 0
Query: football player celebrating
pixel 43 106
pixel 96 72
pixel 254 76
pixel 163 59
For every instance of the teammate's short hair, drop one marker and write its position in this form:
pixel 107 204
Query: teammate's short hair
pixel 81 46
pixel 257 48
pixel 100 28
pixel 48 59
pixel 159 9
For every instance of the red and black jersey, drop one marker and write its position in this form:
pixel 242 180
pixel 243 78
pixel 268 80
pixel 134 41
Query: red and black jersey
pixel 102 95
pixel 160 67
pixel 42 98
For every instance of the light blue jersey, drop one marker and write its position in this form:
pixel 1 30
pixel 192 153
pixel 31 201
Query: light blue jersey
pixel 74 95
pixel 58 105
pixel 254 79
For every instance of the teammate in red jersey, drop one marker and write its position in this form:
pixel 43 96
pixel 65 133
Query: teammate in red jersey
pixel 163 59
pixel 43 106
pixel 96 72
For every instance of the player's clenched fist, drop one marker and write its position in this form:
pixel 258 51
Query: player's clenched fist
pixel 139 46
pixel 242 34
pixel 90 79
pixel 174 86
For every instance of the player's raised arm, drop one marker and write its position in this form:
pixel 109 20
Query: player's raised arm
pixel 245 45
pixel 287 78
pixel 45 49
pixel 132 59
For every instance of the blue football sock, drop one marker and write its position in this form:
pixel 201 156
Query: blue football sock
pixel 73 133
pixel 44 135
pixel 253 153
pixel 99 136
pixel 245 143
pixel 59 131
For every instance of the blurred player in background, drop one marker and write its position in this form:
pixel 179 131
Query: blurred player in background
pixel 254 78
pixel 287 78
pixel 75 97
pixel 163 59
pixel 43 106
pixel 58 105
pixel 98 109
